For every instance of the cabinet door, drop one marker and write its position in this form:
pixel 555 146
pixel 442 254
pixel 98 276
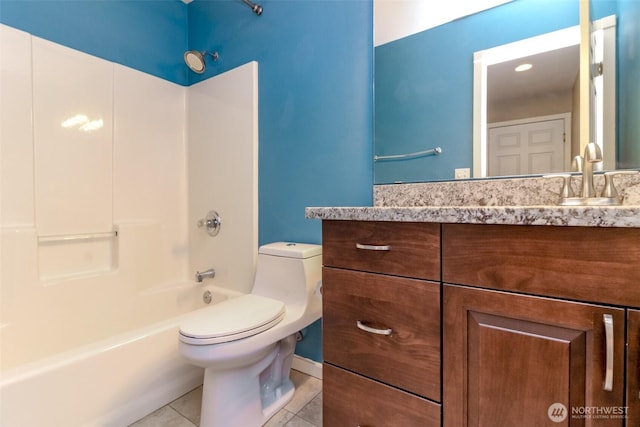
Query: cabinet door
pixel 633 368
pixel 520 360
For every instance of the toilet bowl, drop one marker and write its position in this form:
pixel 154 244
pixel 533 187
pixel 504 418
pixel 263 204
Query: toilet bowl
pixel 246 344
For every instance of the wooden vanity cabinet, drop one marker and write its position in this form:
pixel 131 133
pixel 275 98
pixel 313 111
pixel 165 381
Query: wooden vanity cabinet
pixel 536 323
pixel 381 324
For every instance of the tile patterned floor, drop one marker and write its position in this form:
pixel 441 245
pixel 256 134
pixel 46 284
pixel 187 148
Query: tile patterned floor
pixel 304 410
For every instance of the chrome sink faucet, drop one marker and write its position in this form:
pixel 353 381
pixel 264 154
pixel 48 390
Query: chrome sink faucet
pixel 592 154
pixel 203 275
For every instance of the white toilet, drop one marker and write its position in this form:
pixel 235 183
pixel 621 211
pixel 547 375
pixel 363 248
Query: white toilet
pixel 246 343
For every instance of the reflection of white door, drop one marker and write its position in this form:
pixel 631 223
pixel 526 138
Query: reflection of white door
pixel 526 148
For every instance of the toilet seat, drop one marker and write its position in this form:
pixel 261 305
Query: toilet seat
pixel 232 319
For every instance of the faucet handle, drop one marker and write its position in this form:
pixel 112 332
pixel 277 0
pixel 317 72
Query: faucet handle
pixel 566 190
pixel 577 163
pixel 211 222
pixel 609 187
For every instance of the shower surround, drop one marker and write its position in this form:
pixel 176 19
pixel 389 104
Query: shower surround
pixel 104 173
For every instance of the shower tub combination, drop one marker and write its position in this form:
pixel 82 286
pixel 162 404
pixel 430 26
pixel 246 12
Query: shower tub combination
pixel 112 381
pixel 89 315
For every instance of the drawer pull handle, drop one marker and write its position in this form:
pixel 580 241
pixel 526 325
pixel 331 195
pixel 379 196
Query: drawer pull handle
pixel 373 247
pixel 608 334
pixel 369 329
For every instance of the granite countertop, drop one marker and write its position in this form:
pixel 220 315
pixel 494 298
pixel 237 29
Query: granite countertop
pixel 582 216
pixel 518 201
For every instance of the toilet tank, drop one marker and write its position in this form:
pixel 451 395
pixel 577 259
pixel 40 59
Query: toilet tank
pixel 289 272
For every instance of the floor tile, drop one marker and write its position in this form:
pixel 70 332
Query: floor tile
pixel 296 421
pixel 189 405
pixel 307 388
pixel 280 418
pixel 165 417
pixel 312 411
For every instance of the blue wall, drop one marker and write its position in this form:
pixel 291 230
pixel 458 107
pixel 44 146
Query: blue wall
pixel 149 35
pixel 315 87
pixel 315 106
pixel 438 85
pixel 315 101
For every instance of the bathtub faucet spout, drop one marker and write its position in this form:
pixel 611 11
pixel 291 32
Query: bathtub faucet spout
pixel 202 275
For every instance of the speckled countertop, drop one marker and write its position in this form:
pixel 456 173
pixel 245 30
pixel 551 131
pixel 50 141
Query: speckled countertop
pixel 521 201
pixel 619 216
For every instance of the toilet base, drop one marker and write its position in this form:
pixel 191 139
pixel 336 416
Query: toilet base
pixel 284 397
pixel 249 396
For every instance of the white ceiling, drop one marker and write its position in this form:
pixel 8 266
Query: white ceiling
pixel 395 19
pixel 553 71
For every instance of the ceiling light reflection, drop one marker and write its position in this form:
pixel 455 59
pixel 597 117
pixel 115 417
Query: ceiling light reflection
pixel 523 67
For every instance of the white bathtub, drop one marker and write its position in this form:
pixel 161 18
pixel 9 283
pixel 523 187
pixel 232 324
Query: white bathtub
pixel 111 382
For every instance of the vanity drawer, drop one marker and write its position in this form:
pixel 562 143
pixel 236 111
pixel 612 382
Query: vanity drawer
pixel 384 327
pixel 350 400
pixel 585 264
pixel 399 248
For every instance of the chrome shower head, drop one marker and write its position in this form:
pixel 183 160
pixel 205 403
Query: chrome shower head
pixel 257 9
pixel 195 60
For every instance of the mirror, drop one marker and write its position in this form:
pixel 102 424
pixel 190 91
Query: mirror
pixel 527 103
pixel 424 88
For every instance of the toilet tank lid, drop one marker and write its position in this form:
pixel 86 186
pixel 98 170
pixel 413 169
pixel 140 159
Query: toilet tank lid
pixel 291 249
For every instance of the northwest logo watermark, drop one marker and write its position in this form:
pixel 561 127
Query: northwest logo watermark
pixel 558 412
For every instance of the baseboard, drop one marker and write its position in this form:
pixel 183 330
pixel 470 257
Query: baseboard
pixel 307 366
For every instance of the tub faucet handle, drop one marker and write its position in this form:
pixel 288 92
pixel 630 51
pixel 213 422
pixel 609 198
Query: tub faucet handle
pixel 203 275
pixel 211 223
